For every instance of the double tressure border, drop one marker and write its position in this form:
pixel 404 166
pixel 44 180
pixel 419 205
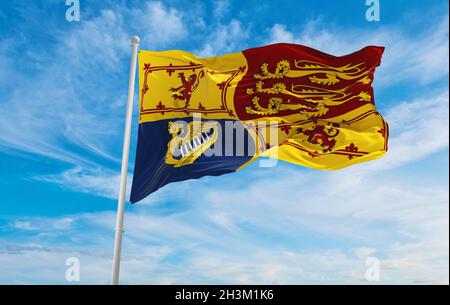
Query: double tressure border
pixel 351 151
pixel 170 69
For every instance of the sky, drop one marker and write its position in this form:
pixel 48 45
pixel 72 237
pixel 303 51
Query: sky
pixel 62 108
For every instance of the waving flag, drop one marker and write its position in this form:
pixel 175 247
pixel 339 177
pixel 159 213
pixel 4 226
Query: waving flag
pixel 211 116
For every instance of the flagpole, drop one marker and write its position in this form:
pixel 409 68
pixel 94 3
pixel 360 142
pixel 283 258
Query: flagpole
pixel 124 170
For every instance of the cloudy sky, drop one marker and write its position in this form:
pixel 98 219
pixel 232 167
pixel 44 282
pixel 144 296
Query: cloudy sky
pixel 62 101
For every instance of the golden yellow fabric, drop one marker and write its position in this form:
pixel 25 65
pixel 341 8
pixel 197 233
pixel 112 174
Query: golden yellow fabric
pixel 175 84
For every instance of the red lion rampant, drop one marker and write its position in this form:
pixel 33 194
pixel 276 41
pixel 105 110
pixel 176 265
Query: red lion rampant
pixel 184 92
pixel 322 135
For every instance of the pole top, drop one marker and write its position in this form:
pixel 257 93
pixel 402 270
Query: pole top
pixel 135 40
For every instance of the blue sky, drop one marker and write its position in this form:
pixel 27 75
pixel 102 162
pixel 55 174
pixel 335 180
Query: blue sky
pixel 62 101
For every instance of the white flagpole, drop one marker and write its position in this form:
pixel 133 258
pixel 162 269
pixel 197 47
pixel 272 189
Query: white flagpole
pixel 124 170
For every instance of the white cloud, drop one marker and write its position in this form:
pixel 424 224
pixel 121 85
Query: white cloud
pixel 96 181
pixel 99 181
pixel 418 129
pixel 5 64
pixel 314 236
pixel 226 38
pixel 365 252
pixel 279 33
pixel 44 224
pixel 101 41
pixel 160 26
pixel 221 7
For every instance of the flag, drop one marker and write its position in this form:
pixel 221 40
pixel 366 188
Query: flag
pixel 211 116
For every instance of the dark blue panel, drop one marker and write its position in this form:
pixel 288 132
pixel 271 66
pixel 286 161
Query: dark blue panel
pixel 151 171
